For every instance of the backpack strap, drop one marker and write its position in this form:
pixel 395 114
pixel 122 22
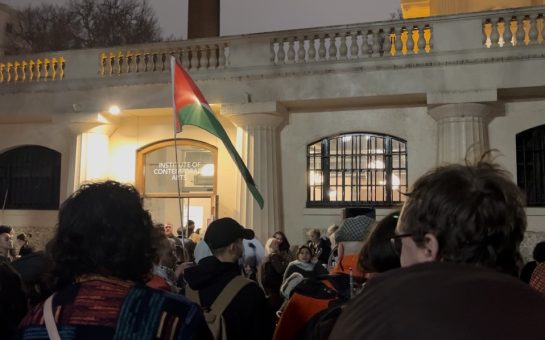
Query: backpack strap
pixel 228 294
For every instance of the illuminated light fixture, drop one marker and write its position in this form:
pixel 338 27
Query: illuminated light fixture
pixel 207 170
pixel 114 109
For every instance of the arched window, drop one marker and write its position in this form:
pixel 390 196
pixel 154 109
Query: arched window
pixel 30 178
pixel 356 169
pixel 531 164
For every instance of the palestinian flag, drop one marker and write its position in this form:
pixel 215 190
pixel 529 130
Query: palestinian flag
pixel 191 108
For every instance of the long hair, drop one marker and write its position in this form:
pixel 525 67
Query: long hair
pixel 377 254
pixel 285 245
pixel 103 229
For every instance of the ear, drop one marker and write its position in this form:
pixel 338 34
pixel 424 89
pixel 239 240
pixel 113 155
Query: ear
pixel 431 247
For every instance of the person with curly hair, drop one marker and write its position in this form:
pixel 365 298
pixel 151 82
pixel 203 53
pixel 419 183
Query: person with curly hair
pixel 103 252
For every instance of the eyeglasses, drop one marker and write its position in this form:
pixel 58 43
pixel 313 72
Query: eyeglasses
pixel 395 241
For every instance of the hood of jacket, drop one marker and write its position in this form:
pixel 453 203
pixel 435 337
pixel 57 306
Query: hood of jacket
pixel 208 271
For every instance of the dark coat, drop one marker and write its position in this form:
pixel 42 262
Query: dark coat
pixel 248 316
pixel 441 300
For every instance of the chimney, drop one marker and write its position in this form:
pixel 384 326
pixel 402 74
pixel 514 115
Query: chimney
pixel 204 19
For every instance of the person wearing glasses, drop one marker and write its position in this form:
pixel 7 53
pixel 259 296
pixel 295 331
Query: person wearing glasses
pixel 458 237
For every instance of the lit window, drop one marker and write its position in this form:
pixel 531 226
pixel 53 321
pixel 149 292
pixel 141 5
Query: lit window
pixel 531 165
pixel 356 169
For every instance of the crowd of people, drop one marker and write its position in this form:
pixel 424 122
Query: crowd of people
pixel 447 265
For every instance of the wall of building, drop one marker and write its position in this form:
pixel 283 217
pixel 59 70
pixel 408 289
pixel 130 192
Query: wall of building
pixel 518 116
pixel 54 136
pixel 138 131
pixel 411 124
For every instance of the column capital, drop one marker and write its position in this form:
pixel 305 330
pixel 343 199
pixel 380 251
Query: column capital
pixel 460 110
pixel 90 123
pixel 255 115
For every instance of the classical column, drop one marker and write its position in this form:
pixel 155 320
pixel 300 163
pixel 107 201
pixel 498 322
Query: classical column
pixel 462 131
pixel 258 139
pixel 90 156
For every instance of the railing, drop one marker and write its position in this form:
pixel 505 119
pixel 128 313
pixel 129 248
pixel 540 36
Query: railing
pixel 514 29
pixel 33 70
pixel 352 43
pixel 396 40
pixel 193 57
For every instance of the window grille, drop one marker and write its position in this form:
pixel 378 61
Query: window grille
pixel 356 169
pixel 531 164
pixel 30 178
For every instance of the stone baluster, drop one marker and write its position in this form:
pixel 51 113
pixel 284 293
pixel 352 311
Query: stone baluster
pixel 38 69
pixel 185 58
pixel 333 46
pixel 520 35
pixel 376 43
pixel 311 49
pixel 368 38
pixel 221 56
pixel 387 42
pixel 485 35
pixel 62 63
pixel 398 44
pixel 430 41
pixel 45 72
pixel 421 40
pixel 291 50
pixel 410 40
pixel 301 53
pixel 343 47
pixel 365 44
pixel 533 29
pixel 281 53
pixel 542 33
pixel 258 143
pixel 194 57
pixel 507 33
pixel 24 68
pixel 203 62
pixel 212 60
pixel 31 64
pixel 16 71
pixel 321 48
pixel 54 68
pixel 117 66
pixel 495 35
pixel 273 53
pixel 354 49
pixel 139 62
pixel 2 67
pixel 462 131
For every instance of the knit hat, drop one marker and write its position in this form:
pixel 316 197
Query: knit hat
pixel 354 229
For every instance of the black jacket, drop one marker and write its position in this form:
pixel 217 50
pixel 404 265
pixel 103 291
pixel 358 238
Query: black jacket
pixel 248 316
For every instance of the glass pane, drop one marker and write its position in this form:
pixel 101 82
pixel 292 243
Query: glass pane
pixel 195 170
pixel 334 146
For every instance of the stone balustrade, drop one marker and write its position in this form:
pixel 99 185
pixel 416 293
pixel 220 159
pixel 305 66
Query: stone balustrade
pixel 395 40
pixel 517 28
pixel 357 42
pixel 206 56
pixel 32 70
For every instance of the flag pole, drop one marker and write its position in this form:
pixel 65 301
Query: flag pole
pixel 186 255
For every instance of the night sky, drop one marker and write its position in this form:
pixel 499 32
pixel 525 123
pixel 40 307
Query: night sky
pixel 253 16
